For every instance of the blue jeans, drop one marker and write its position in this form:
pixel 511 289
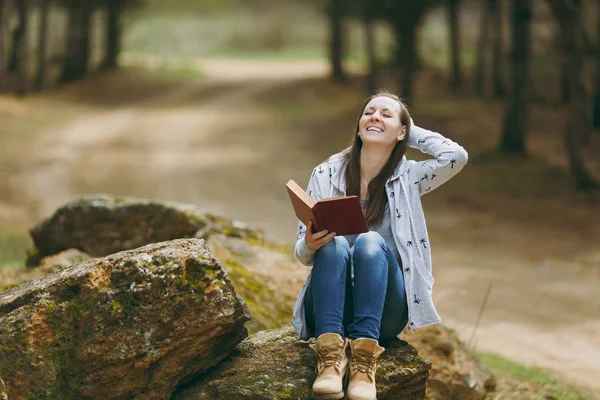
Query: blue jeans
pixel 372 305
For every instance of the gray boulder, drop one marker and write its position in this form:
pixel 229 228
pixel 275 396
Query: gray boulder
pixel 274 365
pixel 132 325
pixel 62 260
pixel 456 373
pixel 102 225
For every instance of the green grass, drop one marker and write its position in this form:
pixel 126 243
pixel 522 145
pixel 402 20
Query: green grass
pixel 184 74
pixel 558 389
pixel 13 245
pixel 276 55
pixel 200 7
pixel 289 31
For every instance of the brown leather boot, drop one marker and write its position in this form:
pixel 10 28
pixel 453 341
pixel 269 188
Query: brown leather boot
pixel 331 366
pixel 363 364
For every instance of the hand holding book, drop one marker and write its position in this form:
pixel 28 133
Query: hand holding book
pixel 315 241
pixel 339 215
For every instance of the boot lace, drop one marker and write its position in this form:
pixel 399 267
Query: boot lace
pixel 364 363
pixel 330 358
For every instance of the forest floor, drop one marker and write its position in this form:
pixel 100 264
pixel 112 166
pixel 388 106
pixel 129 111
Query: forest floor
pixel 229 138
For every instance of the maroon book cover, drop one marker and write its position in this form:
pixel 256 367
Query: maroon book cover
pixel 342 215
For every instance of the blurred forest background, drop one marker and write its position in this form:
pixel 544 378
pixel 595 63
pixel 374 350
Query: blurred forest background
pixel 219 102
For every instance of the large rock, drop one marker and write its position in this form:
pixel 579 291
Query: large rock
pixel 132 325
pixel 455 374
pixel 267 276
pixel 274 365
pixel 62 260
pixel 102 225
pixel 11 277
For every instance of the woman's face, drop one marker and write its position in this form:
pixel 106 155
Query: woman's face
pixel 380 122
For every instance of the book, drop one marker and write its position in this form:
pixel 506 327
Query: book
pixel 342 215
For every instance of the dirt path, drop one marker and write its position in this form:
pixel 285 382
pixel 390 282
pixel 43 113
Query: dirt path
pixel 215 144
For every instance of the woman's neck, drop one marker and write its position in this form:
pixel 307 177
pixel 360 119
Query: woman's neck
pixel 372 160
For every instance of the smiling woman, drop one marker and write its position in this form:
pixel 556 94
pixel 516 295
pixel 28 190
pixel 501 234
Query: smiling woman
pixel 381 131
pixel 383 115
pixel 364 289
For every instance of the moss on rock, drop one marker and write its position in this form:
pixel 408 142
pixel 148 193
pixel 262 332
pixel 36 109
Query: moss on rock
pixel 274 365
pixel 268 308
pixel 102 225
pixel 96 329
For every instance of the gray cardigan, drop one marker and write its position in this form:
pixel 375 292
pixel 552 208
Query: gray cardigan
pixel 408 183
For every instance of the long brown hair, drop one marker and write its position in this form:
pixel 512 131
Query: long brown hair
pixel 376 196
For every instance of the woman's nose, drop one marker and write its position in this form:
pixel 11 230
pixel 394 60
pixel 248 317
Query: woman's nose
pixel 376 116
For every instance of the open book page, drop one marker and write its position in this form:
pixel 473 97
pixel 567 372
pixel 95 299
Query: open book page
pixel 301 202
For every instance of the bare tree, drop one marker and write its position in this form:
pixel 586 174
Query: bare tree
pixel 579 125
pixel 78 38
pixel 113 34
pixel 497 58
pixel 373 73
pixel 336 12
pixel 456 73
pixel 484 24
pixel 515 122
pixel 597 77
pixel 405 57
pixel 18 60
pixel 564 66
pixel 42 43
pixel 16 38
pixel 4 11
pixel 597 96
pixel 404 17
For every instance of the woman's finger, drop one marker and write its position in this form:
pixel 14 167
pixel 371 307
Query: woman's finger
pixel 319 235
pixel 308 232
pixel 326 239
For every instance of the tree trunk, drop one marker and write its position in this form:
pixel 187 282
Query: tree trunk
pixel 482 47
pixel 77 54
pixel 497 60
pixel 336 41
pixel 564 68
pixel 41 73
pixel 18 64
pixel 597 77
pixel 373 74
pixel 515 122
pixel 113 34
pixel 4 11
pixel 578 128
pixel 597 95
pixel 405 58
pixel 579 123
pixel 17 38
pixel 456 73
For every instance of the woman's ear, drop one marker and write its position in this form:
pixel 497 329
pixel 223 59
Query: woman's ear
pixel 402 134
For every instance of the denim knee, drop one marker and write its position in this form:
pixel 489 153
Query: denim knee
pixel 369 244
pixel 338 248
